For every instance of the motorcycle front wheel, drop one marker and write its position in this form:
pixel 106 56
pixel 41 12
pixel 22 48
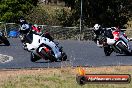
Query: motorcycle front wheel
pixel 34 57
pixel 107 51
pixel 48 56
pixel 123 48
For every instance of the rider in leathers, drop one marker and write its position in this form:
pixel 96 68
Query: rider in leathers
pixel 100 34
pixel 24 29
pixel 109 39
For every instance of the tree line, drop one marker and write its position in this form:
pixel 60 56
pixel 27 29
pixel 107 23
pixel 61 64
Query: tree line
pixel 104 12
pixel 10 10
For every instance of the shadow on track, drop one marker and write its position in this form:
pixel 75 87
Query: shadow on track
pixel 46 61
pixel 123 55
pixel 2 45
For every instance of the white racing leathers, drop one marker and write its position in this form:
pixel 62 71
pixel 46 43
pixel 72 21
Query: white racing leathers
pixel 38 40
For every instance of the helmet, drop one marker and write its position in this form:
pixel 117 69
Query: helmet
pixel 22 20
pixel 97 27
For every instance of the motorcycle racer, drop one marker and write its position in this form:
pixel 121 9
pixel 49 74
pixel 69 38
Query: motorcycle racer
pixel 100 34
pixel 106 37
pixel 24 26
pixel 24 29
pixel 110 38
pixel 41 45
pixel 38 40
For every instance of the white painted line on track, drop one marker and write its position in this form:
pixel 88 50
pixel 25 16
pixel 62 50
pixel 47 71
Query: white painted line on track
pixel 5 58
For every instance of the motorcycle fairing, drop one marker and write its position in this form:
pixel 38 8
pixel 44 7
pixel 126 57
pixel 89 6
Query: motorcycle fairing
pixel 52 45
pixel 110 41
pixel 38 40
pixel 122 43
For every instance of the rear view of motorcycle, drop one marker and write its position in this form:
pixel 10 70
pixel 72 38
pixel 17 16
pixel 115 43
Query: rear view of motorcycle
pixel 3 39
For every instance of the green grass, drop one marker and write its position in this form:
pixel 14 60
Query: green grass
pixel 63 79
pixel 53 82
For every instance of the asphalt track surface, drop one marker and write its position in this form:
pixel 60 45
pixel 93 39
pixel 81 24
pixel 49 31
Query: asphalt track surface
pixel 80 53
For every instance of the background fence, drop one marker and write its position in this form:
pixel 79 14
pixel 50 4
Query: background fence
pixel 60 33
pixel 57 32
pixel 73 33
pixel 7 27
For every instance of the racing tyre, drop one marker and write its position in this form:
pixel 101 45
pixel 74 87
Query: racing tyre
pixel 107 51
pixel 34 57
pixel 48 56
pixel 123 48
pixel 5 41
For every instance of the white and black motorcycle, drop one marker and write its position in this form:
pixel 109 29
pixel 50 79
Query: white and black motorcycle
pixel 42 47
pixel 118 44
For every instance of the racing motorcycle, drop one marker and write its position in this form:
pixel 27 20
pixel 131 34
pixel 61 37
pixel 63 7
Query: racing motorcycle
pixel 118 44
pixel 42 47
pixel 3 39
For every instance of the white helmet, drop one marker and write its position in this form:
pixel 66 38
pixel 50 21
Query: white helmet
pixel 96 27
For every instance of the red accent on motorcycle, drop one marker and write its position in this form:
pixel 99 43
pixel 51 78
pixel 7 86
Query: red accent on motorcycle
pixel 46 49
pixel 35 29
pixel 116 35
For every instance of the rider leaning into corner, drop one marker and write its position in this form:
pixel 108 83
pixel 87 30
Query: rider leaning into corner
pixel 98 30
pixel 25 27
